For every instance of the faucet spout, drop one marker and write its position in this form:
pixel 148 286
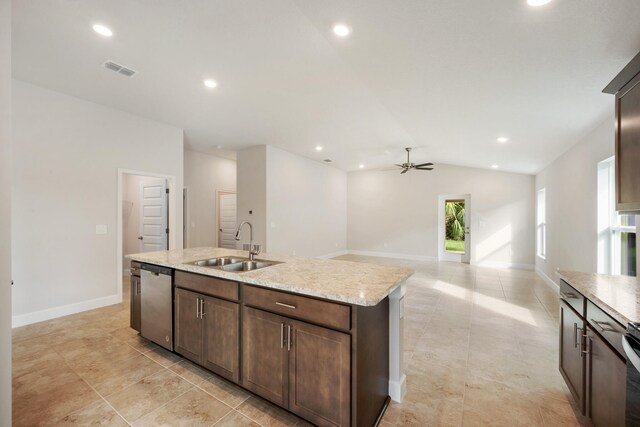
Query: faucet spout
pixel 253 249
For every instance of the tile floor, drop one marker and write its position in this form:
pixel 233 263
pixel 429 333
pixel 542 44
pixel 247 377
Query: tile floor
pixel 481 348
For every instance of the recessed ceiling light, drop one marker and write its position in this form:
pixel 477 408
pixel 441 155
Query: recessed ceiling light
pixel 318 147
pixel 536 3
pixel 341 30
pixel 502 139
pixel 219 147
pixel 102 30
pixel 361 166
pixel 210 83
pixel 494 166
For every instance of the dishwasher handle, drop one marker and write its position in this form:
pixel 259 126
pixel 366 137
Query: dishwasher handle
pixel 156 269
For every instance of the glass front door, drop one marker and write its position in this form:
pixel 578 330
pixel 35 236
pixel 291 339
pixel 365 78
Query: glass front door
pixel 454 217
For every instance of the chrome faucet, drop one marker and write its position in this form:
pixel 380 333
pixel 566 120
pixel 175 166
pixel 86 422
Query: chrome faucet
pixel 253 249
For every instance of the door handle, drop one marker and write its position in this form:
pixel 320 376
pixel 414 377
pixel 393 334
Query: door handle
pixel 140 237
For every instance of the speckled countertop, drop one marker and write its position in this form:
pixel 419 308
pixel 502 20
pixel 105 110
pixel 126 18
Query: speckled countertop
pixel 619 296
pixel 350 282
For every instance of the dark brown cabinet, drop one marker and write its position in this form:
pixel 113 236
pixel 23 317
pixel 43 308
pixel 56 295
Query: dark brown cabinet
pixel 626 87
pixel 135 301
pixel 207 332
pixel 590 360
pixel 606 372
pixel 302 367
pixel 572 362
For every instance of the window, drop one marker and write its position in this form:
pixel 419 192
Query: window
pixel 541 224
pixel 616 233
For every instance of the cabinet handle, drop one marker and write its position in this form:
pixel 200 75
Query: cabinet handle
pixel 202 313
pixel 281 335
pixel 575 335
pixel 570 295
pixel 285 305
pixel 197 308
pixel 288 337
pixel 599 324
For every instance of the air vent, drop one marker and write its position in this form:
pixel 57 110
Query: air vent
pixel 114 66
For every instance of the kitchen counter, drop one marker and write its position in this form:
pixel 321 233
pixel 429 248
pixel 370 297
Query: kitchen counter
pixel 342 281
pixel 619 296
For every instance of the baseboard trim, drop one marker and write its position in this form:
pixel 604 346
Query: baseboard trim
pixel 398 389
pixel 394 255
pixel 501 264
pixel 333 254
pixel 553 285
pixel 65 310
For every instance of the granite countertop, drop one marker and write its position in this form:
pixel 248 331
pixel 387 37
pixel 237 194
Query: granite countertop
pixel 619 296
pixel 344 281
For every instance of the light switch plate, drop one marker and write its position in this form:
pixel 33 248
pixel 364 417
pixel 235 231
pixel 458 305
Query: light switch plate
pixel 101 229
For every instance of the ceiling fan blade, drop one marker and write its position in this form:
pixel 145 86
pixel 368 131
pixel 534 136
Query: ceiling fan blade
pixel 400 166
pixel 424 164
pixel 424 169
pixel 404 171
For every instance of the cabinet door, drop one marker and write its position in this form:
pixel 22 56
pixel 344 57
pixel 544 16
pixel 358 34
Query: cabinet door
pixel 607 375
pixel 221 337
pixel 188 325
pixel 264 355
pixel 319 374
pixel 135 303
pixel 572 362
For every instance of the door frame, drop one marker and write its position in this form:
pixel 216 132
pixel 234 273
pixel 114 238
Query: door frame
pixel 444 255
pixel 171 220
pixel 218 194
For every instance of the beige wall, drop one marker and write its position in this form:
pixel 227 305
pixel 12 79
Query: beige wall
pixel 398 214
pixel 306 205
pixel 66 160
pixel 252 193
pixel 572 206
pixel 203 176
pixel 5 213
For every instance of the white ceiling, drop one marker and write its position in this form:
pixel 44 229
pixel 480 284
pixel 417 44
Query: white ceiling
pixel 446 76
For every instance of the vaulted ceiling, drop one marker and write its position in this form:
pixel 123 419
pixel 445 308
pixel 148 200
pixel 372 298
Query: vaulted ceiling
pixel 448 77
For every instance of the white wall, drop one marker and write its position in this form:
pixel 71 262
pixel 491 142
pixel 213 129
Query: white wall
pixel 398 214
pixel 572 206
pixel 306 205
pixel 252 193
pixel 66 158
pixel 5 213
pixel 203 176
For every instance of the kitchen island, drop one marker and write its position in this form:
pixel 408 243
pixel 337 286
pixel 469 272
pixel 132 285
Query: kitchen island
pixel 321 338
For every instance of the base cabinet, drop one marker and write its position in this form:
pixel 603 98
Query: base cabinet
pixel 572 361
pixel 135 318
pixel 592 367
pixel 302 367
pixel 207 332
pixel 606 372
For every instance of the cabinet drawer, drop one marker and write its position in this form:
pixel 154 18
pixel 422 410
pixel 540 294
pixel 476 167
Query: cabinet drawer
pixel 608 328
pixel 316 311
pixel 135 268
pixel 573 298
pixel 207 285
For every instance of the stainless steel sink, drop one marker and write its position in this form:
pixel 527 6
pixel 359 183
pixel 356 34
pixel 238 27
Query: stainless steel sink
pixel 248 265
pixel 217 262
pixel 233 263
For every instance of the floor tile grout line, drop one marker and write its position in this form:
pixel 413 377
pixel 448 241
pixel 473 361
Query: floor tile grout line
pixel 159 407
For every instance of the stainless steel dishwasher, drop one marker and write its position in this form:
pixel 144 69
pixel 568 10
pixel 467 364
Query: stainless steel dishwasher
pixel 156 307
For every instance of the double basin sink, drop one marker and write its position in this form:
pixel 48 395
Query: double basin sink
pixel 233 263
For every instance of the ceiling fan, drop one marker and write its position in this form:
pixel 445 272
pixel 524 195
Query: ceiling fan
pixel 408 165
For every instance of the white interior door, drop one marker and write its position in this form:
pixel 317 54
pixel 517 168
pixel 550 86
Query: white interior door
pixel 154 232
pixel 226 220
pixel 454 242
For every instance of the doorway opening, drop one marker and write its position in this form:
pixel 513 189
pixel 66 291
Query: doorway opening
pixel 227 222
pixel 146 203
pixel 454 228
